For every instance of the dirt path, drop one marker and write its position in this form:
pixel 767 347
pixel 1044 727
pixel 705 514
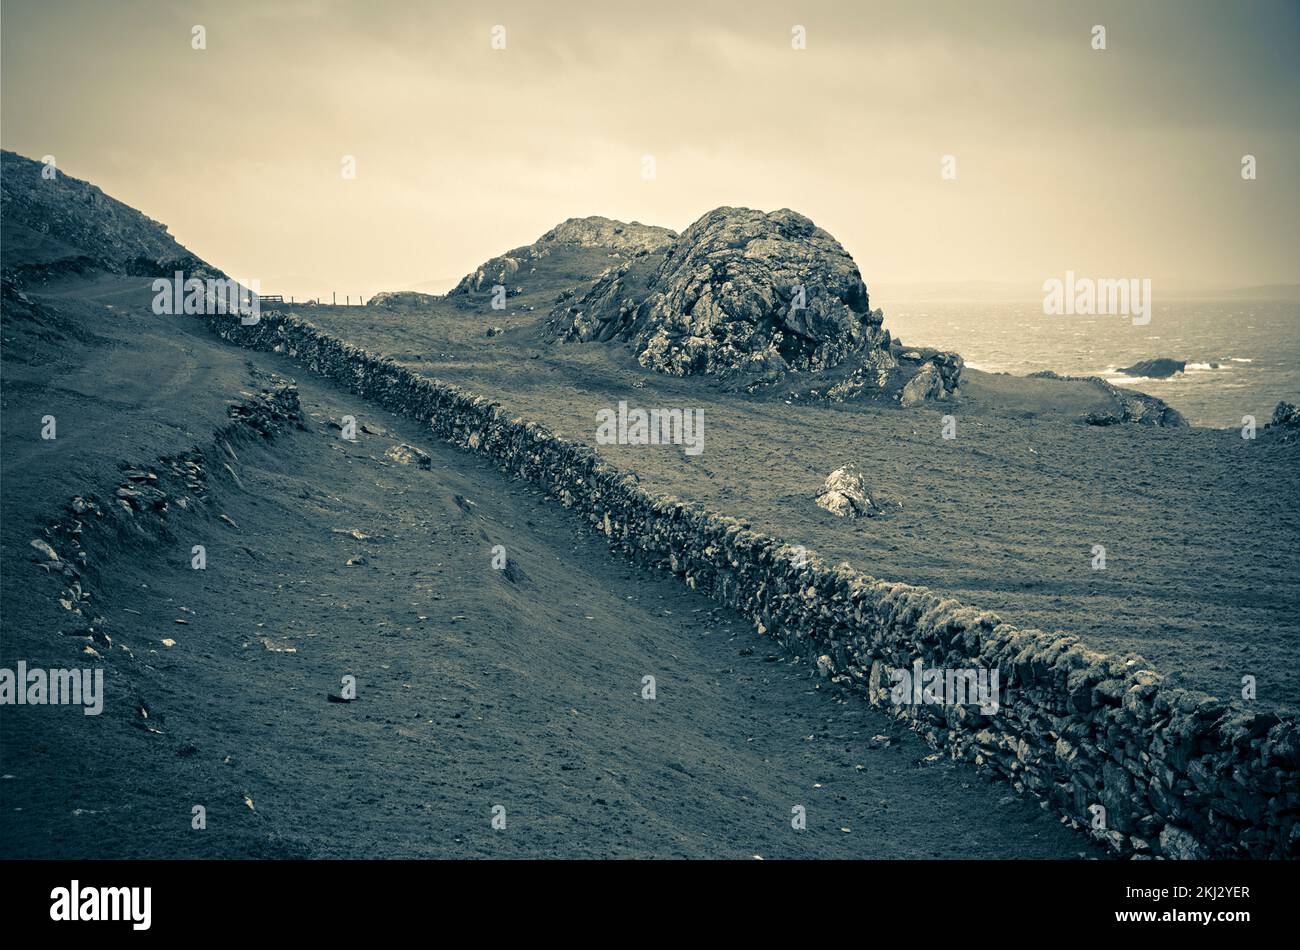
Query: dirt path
pixel 476 687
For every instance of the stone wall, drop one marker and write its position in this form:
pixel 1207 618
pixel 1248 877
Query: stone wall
pixel 1178 773
pixel 143 504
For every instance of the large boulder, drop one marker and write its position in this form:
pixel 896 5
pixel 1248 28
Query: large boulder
pixel 845 495
pixel 739 291
pixel 925 386
pixel 938 379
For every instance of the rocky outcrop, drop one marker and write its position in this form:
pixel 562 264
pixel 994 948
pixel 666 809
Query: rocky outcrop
pixel 1129 407
pixel 1161 368
pixel 872 373
pixel 628 237
pixel 950 366
pixel 938 379
pixel 925 386
pixel 1138 409
pixel 401 300
pixel 60 224
pixel 618 239
pixel 1285 423
pixel 740 291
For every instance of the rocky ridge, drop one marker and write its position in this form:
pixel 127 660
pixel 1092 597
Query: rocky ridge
pixel 60 224
pixel 621 240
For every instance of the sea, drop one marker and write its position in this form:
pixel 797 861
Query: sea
pixel 1243 356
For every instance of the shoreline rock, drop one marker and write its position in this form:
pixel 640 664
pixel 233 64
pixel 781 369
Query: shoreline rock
pixel 1161 368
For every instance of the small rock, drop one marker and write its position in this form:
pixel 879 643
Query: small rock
pixel 45 550
pixel 404 454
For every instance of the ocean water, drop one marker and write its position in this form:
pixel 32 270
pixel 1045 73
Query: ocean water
pixel 1243 356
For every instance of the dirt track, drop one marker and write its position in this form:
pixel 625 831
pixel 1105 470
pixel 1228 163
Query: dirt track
pixel 476 687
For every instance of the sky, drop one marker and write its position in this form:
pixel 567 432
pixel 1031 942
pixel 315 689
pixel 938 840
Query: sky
pixel 1116 162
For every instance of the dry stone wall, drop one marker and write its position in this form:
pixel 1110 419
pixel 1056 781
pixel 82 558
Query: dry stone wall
pixel 144 504
pixel 1148 768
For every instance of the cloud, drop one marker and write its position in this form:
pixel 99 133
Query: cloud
pixel 1125 159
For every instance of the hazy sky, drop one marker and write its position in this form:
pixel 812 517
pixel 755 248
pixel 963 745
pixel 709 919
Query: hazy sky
pixel 1122 162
